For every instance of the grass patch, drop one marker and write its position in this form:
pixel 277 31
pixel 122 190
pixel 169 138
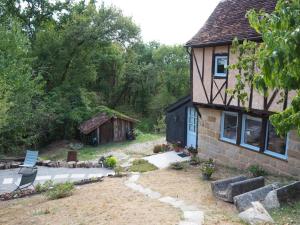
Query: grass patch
pixel 287 214
pixel 141 165
pixel 90 152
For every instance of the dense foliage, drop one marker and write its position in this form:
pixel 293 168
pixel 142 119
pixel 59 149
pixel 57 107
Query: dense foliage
pixel 277 60
pixel 61 62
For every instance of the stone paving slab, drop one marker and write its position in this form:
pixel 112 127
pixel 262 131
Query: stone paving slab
pixel 9 178
pixel 163 160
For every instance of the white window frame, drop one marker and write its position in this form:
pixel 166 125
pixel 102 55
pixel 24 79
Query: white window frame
pixel 252 147
pixel 275 154
pixel 216 65
pixel 222 126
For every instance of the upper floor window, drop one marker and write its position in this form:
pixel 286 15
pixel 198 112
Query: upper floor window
pixel 251 132
pixel 229 126
pixel 220 69
pixel 275 145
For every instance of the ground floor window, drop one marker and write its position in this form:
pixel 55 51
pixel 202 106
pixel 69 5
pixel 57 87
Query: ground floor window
pixel 275 144
pixel 229 126
pixel 251 132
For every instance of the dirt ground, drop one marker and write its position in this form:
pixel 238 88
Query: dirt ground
pixel 107 203
pixel 188 186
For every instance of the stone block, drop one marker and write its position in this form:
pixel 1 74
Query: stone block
pixel 243 201
pixel 72 164
pixel 2 166
pixel 287 193
pixel 255 215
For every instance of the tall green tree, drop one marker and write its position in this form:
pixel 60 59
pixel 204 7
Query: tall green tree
pixel 277 59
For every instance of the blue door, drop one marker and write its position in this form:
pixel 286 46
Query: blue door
pixel 192 126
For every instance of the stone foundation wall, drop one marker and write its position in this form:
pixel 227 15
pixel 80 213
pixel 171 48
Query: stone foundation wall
pixel 210 146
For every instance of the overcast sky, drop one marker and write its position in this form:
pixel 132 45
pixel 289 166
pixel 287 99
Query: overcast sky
pixel 167 21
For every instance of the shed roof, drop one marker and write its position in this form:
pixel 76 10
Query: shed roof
pixel 228 21
pixel 178 103
pixel 89 125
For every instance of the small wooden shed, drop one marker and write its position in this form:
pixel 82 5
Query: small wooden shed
pixel 105 128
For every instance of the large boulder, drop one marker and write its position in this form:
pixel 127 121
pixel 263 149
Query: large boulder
pixel 256 215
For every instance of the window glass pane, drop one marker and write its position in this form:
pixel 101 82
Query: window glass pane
pixel 221 64
pixel 230 126
pixel 275 143
pixel 252 131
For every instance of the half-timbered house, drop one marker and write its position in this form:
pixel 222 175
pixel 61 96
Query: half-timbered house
pixel 233 133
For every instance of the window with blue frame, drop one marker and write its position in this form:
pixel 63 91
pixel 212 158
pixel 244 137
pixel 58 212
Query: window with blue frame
pixel 275 144
pixel 251 132
pixel 220 65
pixel 229 125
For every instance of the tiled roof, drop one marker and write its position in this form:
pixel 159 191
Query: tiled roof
pixel 228 21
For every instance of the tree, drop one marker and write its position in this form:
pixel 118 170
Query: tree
pixel 277 59
pixel 20 92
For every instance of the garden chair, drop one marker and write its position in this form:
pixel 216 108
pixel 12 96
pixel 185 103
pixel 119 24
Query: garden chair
pixel 27 179
pixel 30 160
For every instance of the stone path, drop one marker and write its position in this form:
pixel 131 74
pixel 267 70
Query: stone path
pixel 9 178
pixel 163 160
pixel 191 214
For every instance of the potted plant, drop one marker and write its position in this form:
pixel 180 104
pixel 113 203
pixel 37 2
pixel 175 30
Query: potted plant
pixel 207 169
pixel 177 146
pixel 193 151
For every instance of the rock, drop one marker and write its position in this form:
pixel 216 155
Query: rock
pixel 71 164
pixel 287 193
pixel 15 164
pixel 243 201
pixel 45 162
pixel 256 215
pixel 39 163
pixel 80 164
pixel 2 166
pixel 7 166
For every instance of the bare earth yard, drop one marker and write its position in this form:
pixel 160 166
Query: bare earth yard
pixel 107 203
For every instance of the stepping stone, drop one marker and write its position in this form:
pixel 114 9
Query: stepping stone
pixel 194 216
pixel 95 175
pixel 134 178
pixel 188 223
pixel 61 176
pixel 78 175
pixel 7 181
pixel 43 178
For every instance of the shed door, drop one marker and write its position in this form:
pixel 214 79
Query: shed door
pixel 192 121
pixel 106 132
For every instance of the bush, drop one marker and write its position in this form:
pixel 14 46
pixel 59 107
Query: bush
pixel 178 165
pixel 111 162
pixel 194 160
pixel 141 165
pixel 118 171
pixel 208 168
pixel 257 171
pixel 157 149
pixel 60 191
pixel 39 188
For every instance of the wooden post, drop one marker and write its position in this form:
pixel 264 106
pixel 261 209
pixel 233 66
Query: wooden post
pixel 98 136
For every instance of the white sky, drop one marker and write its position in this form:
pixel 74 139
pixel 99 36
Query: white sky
pixel 166 21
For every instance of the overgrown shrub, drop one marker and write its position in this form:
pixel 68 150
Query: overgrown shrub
pixel 111 162
pixel 60 191
pixel 118 171
pixel 257 170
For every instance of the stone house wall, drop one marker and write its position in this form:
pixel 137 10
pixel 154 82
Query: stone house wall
pixel 210 146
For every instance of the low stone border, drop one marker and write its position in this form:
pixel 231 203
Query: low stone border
pixel 29 192
pixel 9 165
